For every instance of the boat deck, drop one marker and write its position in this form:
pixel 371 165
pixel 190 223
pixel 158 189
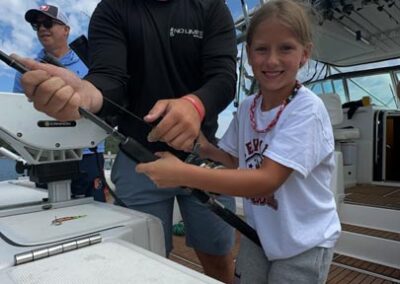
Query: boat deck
pixel 374 195
pixel 344 269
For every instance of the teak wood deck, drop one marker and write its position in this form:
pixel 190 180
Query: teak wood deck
pixel 344 270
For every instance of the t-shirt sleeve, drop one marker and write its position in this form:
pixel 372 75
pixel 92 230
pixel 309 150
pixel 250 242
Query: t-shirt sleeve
pixel 304 139
pixel 229 141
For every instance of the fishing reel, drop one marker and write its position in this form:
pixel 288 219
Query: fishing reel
pixel 194 159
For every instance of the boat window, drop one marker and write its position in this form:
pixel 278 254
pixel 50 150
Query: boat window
pixel 316 88
pixel 322 87
pixel 339 89
pixel 329 86
pixel 378 87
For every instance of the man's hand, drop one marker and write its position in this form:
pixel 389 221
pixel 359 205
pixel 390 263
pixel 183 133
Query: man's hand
pixel 164 172
pixel 180 124
pixel 56 91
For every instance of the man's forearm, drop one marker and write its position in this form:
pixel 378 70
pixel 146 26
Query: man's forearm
pixel 91 96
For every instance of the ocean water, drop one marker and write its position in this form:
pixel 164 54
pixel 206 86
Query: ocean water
pixel 7 169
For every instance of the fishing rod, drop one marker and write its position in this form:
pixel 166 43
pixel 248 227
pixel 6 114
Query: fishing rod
pixel 140 154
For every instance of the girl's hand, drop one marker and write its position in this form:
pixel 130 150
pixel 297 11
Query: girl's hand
pixel 166 172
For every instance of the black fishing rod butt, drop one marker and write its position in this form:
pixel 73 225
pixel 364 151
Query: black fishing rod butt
pixel 136 151
pixel 12 62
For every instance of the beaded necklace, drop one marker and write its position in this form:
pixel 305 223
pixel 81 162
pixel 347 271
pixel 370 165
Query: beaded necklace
pixel 278 114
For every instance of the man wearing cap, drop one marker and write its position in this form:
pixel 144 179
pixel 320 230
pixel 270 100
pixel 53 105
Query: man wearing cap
pixel 52 29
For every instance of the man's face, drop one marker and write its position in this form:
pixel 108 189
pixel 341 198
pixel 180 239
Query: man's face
pixel 51 37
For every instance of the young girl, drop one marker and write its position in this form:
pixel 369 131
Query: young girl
pixel 279 151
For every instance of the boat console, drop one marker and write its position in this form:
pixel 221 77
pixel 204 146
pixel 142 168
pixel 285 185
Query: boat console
pixel 44 232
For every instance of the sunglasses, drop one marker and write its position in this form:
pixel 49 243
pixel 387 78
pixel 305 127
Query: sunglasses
pixel 48 24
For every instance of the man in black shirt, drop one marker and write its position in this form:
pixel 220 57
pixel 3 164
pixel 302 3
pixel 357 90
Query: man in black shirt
pixel 173 60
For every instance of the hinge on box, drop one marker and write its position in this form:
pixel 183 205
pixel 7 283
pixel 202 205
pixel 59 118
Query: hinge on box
pixel 56 249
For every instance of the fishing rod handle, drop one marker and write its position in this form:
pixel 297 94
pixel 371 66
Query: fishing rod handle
pixel 136 151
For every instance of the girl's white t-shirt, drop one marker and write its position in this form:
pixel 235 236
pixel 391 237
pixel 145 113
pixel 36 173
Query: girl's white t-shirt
pixel 301 214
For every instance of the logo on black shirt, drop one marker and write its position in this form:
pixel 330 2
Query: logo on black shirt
pixel 184 31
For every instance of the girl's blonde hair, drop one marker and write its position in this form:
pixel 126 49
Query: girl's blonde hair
pixel 290 12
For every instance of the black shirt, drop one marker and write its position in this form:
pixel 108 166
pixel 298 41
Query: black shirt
pixel 146 50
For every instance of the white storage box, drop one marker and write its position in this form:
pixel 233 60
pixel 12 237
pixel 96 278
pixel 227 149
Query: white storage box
pixel 15 192
pixel 34 231
pixel 105 263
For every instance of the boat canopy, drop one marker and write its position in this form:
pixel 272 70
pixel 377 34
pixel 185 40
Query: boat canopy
pixel 350 32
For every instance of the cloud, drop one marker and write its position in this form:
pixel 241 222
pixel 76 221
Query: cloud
pixel 19 36
pixel 78 14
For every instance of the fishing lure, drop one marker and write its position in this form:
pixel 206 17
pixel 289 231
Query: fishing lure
pixel 60 221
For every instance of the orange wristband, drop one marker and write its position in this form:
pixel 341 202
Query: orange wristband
pixel 199 108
